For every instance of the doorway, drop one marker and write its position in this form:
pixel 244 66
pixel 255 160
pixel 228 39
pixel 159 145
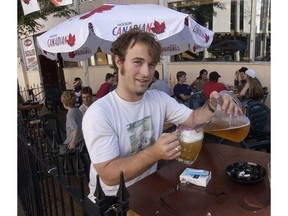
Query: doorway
pixel 51 74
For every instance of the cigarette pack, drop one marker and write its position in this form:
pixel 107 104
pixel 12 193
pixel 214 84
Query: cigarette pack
pixel 196 176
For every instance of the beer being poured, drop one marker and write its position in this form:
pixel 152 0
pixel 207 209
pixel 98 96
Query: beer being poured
pixel 235 132
pixel 227 126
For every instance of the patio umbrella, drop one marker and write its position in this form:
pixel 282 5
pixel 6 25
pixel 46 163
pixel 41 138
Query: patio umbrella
pixel 79 37
pixel 227 46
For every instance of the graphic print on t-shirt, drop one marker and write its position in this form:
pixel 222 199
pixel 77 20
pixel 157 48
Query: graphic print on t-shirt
pixel 141 134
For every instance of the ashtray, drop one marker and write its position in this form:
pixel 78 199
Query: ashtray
pixel 246 172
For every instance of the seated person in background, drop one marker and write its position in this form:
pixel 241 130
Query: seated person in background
pixel 87 96
pixel 240 78
pixel 181 90
pixel 74 134
pixel 158 84
pixel 198 84
pixel 252 90
pixel 115 81
pixel 104 88
pixel 213 84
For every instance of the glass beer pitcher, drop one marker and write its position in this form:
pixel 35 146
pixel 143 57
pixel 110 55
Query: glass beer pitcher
pixel 227 126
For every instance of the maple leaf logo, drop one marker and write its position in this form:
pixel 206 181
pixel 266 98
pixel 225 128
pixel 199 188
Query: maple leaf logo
pixel 194 48
pixel 97 10
pixel 206 38
pixel 158 28
pixel 186 22
pixel 71 40
pixel 72 54
pixel 26 1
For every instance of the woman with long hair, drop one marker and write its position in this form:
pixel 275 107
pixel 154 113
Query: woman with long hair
pixel 253 89
pixel 198 84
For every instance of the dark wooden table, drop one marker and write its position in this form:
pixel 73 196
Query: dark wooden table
pixel 221 197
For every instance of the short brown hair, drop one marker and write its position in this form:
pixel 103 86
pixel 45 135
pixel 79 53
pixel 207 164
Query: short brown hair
pixel 129 39
pixel 180 74
pixel 86 90
pixel 68 98
pixel 108 76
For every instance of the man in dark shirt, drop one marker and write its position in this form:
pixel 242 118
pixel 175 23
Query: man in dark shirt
pixel 181 90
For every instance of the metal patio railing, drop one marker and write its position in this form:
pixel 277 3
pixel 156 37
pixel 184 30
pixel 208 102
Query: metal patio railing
pixel 43 189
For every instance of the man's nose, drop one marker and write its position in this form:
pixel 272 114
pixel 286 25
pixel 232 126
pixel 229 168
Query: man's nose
pixel 145 70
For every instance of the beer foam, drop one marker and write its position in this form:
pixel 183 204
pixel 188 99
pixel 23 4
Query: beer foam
pixel 191 136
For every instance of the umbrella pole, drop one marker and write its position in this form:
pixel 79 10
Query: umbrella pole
pixel 252 31
pixel 165 69
pixel 86 72
pixel 165 60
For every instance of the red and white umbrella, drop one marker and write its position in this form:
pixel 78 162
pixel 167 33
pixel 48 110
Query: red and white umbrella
pixel 79 37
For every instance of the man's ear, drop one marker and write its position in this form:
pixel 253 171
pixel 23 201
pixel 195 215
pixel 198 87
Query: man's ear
pixel 118 62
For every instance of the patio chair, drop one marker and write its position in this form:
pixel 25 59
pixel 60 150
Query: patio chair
pixel 259 134
pixel 196 100
pixel 266 92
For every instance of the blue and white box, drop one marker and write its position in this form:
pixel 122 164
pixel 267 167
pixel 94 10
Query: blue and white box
pixel 195 176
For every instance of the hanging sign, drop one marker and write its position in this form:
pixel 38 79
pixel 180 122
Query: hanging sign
pixel 30 53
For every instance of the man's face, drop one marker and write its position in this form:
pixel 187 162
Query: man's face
pixel 87 99
pixel 242 75
pixel 136 72
pixel 183 79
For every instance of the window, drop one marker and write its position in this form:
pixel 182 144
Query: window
pixel 231 22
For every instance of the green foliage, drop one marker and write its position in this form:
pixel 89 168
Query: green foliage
pixel 28 24
pixel 201 13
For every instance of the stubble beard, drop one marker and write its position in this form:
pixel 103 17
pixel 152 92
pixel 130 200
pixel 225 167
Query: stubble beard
pixel 123 72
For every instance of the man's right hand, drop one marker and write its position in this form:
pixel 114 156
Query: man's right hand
pixel 167 147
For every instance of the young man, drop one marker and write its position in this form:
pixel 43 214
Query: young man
pixel 74 134
pixel 181 90
pixel 87 98
pixel 104 88
pixel 123 130
pixel 213 85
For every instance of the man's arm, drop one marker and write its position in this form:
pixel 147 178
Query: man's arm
pixel 72 143
pixel 184 97
pixel 135 165
pixel 244 90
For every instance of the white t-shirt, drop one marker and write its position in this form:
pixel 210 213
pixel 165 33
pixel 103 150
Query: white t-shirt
pixel 83 108
pixel 113 127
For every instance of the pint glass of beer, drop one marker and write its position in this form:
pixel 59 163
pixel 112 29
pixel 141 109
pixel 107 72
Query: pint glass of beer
pixel 191 144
